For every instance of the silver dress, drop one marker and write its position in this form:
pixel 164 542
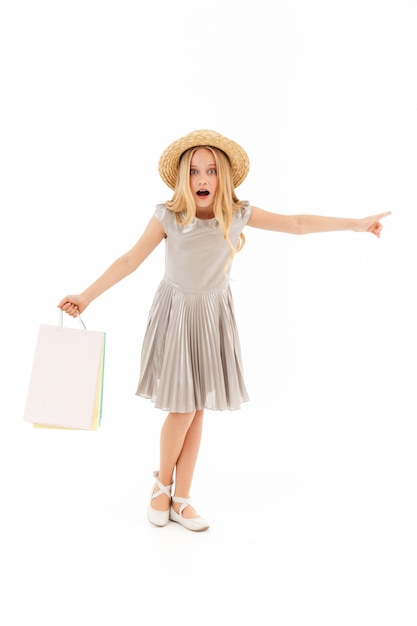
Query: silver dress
pixel 191 355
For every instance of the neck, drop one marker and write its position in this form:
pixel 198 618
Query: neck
pixel 205 213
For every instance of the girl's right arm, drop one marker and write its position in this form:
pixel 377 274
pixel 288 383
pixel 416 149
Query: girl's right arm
pixel 122 267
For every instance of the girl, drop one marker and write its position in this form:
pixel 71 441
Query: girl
pixel 191 357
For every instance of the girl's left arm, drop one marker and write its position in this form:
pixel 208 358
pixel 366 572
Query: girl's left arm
pixel 305 224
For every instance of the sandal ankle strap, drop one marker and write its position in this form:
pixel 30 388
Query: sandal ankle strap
pixel 166 489
pixel 184 502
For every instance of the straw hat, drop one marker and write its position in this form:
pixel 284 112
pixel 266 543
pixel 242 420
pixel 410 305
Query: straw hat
pixel 169 161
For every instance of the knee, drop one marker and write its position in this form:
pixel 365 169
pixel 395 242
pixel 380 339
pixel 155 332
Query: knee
pixel 199 414
pixel 184 420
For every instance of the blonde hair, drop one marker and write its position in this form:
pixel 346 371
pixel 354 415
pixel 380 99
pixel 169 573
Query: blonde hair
pixel 226 203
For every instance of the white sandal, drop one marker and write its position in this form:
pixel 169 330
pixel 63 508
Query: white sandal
pixel 192 523
pixel 159 518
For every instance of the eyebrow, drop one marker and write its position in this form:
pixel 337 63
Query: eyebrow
pixel 195 166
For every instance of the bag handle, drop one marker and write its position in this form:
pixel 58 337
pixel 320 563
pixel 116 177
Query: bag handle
pixel 61 320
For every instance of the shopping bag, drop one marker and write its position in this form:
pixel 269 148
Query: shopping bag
pixel 66 382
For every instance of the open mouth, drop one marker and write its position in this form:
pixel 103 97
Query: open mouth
pixel 203 192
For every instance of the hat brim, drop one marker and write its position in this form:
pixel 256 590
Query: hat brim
pixel 170 158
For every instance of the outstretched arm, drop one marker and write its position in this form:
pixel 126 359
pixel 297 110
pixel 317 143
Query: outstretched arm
pixel 122 267
pixel 304 224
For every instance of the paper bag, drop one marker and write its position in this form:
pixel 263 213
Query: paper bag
pixel 66 383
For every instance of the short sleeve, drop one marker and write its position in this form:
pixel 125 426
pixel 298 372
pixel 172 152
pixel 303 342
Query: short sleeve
pixel 246 212
pixel 160 212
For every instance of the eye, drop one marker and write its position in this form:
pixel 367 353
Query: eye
pixel 193 172
pixel 212 170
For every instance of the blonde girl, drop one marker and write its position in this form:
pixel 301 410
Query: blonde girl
pixel 191 359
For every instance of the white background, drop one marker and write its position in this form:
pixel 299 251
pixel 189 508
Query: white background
pixel 310 488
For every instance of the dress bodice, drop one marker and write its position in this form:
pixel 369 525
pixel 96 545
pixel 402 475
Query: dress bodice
pixel 196 254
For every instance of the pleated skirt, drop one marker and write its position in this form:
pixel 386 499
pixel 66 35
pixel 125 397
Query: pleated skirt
pixel 191 357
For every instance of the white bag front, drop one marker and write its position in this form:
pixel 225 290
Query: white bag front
pixel 66 383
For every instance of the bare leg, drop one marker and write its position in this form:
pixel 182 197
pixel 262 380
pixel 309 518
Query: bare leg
pixel 173 436
pixel 186 462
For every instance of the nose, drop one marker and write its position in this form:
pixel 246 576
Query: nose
pixel 202 181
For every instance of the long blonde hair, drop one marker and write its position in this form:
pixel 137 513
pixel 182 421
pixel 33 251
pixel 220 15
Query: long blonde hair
pixel 226 203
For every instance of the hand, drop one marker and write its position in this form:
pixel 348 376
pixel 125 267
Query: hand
pixel 372 224
pixel 72 305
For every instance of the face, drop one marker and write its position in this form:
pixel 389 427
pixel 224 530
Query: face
pixel 203 178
